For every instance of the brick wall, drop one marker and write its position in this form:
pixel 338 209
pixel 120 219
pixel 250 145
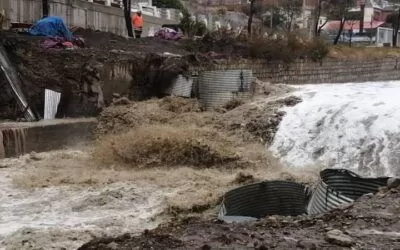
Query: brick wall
pixel 328 71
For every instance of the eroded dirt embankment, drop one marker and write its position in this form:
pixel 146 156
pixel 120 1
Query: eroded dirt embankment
pixel 87 77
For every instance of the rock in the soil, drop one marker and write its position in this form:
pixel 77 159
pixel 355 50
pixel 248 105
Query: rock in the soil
pixel 34 156
pixel 121 101
pixel 393 183
pixel 337 237
pixel 306 244
pixel 113 246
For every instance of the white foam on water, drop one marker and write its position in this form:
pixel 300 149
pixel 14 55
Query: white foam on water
pixel 55 214
pixel 354 126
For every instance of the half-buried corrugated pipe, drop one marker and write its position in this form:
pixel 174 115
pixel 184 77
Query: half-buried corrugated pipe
pixel 262 199
pixel 335 188
pixel 338 187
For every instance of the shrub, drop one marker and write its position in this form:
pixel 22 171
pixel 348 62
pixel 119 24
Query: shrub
pixel 164 145
pixel 233 103
pixel 317 49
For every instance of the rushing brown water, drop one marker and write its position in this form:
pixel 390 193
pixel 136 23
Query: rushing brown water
pixel 2 151
pixel 13 142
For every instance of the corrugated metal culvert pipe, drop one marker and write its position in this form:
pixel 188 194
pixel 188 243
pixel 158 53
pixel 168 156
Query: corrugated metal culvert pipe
pixel 262 199
pixel 338 187
pixel 335 188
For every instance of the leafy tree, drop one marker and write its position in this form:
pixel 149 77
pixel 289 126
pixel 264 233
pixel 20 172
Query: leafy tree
pixel 192 27
pixel 339 10
pixel 277 19
pixel 171 4
pixel 291 10
pixel 394 20
pixel 320 7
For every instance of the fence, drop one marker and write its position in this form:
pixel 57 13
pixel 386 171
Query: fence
pixel 385 36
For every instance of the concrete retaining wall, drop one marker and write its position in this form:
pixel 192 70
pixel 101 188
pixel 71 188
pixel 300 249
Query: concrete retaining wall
pixel 21 138
pixel 328 71
pixel 76 13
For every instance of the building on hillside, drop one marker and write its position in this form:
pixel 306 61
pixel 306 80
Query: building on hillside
pixel 351 30
pixel 381 13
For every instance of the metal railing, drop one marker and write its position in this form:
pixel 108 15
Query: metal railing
pixel 144 6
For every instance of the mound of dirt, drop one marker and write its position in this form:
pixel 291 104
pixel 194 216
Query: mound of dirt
pixel 180 105
pixel 122 118
pixel 164 145
pixel 368 224
pixel 256 121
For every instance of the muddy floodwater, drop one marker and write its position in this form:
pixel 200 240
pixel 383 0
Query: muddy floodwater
pixel 67 216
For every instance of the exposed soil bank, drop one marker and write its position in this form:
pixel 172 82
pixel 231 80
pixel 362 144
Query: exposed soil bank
pixel 88 77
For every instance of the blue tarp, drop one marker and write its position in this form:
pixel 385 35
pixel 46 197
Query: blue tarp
pixel 51 26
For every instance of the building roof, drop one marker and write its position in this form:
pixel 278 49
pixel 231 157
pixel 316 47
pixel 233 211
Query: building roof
pixel 355 25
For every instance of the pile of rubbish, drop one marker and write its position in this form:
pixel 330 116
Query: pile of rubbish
pixel 58 36
pixel 168 34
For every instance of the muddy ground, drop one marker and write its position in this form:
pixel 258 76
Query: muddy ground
pixel 371 223
pixel 67 71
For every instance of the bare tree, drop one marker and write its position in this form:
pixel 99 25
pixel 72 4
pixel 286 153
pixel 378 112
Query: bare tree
pixel 251 15
pixel 291 9
pixel 45 8
pixel 318 12
pixel 128 18
pixel 340 10
pixel 396 27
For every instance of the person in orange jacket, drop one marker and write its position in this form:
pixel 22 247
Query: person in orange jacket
pixel 137 22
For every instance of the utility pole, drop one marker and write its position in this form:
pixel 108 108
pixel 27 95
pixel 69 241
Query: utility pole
pixel 45 8
pixel 362 8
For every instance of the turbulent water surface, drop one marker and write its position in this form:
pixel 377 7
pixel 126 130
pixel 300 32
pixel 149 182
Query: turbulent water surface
pixel 65 217
pixel 354 126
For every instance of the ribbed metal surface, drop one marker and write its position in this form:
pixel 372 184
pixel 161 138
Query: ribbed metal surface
pixel 51 101
pixel 218 87
pixel 264 198
pixel 182 86
pixel 339 187
pixel 14 82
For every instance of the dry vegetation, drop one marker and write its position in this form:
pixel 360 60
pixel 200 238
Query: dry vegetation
pixel 352 53
pixel 165 145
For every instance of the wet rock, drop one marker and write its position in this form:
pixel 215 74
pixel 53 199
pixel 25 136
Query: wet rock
pixel 306 244
pixel 337 237
pixel 113 246
pixel 121 101
pixel 206 247
pixel 34 156
pixel 393 183
pixel 242 178
pixel 290 101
